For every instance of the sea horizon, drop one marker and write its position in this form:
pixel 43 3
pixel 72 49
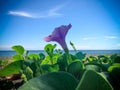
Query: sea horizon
pixel 60 49
pixel 12 52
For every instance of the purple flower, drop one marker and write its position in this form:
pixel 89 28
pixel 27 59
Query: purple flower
pixel 59 35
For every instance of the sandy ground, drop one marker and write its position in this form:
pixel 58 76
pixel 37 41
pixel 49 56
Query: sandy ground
pixel 5 58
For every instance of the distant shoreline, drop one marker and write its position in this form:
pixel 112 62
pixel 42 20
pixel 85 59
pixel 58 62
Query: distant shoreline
pixel 89 52
pixel 87 55
pixel 69 50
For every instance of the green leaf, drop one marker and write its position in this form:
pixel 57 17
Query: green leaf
pixel 71 43
pixel 12 68
pixel 49 48
pixel 76 68
pixel 62 62
pixel 112 57
pixel 34 56
pixel 51 81
pixel 92 59
pixel 73 57
pixel 105 67
pixel 54 68
pixel 103 59
pixel 73 46
pixel 92 80
pixel 80 55
pixel 45 68
pixel 117 59
pixel 32 65
pixel 50 68
pixel 59 51
pixel 54 58
pixel 95 67
pixel 114 66
pixel 18 57
pixel 46 60
pixel 42 56
pixel 114 71
pixel 19 49
pixel 28 72
pixel 106 75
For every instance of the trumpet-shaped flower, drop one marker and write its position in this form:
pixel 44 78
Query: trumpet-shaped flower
pixel 59 35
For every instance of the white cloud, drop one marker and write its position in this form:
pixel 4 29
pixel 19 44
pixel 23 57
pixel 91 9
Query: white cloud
pixel 110 37
pixel 88 38
pixel 53 12
pixel 21 13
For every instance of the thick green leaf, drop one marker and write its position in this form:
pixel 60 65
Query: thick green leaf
pixel 46 60
pixel 73 57
pixel 54 68
pixel 92 59
pixel 49 60
pixel 92 80
pixel 49 68
pixel 80 55
pixel 76 68
pixel 51 81
pixel 12 68
pixel 112 57
pixel 59 51
pixel 105 67
pixel 31 64
pixel 49 48
pixel 95 67
pixel 18 57
pixel 62 62
pixel 114 71
pixel 117 59
pixel 34 56
pixel 106 75
pixel 28 72
pixel 42 56
pixel 114 66
pixel 54 58
pixel 19 49
pixel 103 59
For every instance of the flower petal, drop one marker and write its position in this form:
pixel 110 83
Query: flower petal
pixel 48 38
pixel 59 35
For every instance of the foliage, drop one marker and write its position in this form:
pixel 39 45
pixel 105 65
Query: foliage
pixel 76 68
pixel 92 80
pixel 51 81
pixel 19 49
pixel 64 70
pixel 12 68
pixel 21 52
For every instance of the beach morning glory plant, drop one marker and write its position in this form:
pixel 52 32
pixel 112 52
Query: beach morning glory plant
pixel 59 35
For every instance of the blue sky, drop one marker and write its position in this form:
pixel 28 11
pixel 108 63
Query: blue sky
pixel 95 23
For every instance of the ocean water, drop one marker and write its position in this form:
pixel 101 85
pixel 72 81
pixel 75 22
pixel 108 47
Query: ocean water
pixel 11 53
